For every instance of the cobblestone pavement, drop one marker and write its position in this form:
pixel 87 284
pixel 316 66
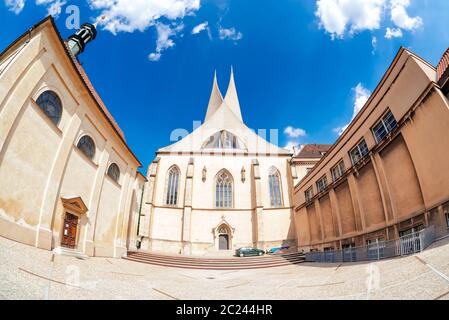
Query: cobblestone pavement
pixel 30 273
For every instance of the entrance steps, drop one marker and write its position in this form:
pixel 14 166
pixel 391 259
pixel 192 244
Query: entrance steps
pixel 206 263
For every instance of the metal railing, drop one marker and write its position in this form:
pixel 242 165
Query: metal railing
pixel 409 244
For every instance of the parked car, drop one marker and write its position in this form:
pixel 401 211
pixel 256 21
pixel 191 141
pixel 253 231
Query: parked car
pixel 246 252
pixel 277 250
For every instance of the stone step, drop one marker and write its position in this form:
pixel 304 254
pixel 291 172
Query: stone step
pixel 215 263
pixel 193 258
pixel 233 263
pixel 229 262
pixel 215 267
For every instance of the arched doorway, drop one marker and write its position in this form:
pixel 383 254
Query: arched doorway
pixel 223 235
pixel 223 238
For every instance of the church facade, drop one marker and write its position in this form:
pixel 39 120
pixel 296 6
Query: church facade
pixel 220 188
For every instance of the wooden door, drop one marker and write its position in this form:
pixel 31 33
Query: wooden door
pixel 223 242
pixel 69 231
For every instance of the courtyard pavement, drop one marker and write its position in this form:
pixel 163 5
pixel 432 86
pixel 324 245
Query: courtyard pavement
pixel 30 273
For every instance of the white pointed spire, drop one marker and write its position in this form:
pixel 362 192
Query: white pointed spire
pixel 231 99
pixel 216 99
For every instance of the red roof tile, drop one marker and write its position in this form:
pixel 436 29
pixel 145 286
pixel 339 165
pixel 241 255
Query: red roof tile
pixel 313 151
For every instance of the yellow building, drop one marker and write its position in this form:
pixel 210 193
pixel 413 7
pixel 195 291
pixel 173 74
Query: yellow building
pixel 68 180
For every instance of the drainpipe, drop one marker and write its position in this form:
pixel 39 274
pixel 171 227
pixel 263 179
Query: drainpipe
pixel 140 214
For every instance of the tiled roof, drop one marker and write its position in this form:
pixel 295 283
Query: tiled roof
pixel 96 96
pixel 313 151
pixel 442 67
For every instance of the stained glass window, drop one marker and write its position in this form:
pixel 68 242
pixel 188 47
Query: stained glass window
pixel 223 190
pixel 172 187
pixel 223 140
pixel 114 172
pixel 87 146
pixel 50 103
pixel 274 181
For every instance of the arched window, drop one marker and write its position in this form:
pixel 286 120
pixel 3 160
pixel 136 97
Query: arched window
pixel 114 172
pixel 172 187
pixel 223 140
pixel 50 103
pixel 223 190
pixel 274 181
pixel 87 146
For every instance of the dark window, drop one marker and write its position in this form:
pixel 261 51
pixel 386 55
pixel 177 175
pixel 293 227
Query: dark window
pixel 447 219
pixel 309 194
pixel 172 187
pixel 321 184
pixel 223 140
pixel 114 172
pixel 274 181
pixel 385 126
pixel 87 146
pixel 50 103
pixel 360 151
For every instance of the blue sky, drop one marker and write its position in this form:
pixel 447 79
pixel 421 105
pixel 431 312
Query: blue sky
pixel 304 65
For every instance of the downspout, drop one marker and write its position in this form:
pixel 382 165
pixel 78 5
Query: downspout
pixel 140 214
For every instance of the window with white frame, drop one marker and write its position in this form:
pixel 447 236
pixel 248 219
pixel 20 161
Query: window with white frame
pixel 172 187
pixel 360 151
pixel 384 126
pixel 321 184
pixel 309 194
pixel 338 170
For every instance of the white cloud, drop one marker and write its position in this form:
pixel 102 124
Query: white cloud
pixel 164 41
pixel 361 96
pixel 400 17
pixel 393 33
pixel 339 16
pixel 132 15
pixel 293 146
pixel 294 135
pixel 15 6
pixel 294 132
pixel 231 34
pixel 54 7
pixel 201 27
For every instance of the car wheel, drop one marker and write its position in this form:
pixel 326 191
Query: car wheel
pixel 260 253
pixel 242 255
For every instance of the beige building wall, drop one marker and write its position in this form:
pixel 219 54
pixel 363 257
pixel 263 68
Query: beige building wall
pixel 168 225
pixel 404 180
pixel 40 165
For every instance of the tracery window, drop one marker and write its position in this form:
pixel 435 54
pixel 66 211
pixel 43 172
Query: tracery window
pixel 223 190
pixel 274 181
pixel 87 146
pixel 171 198
pixel 223 140
pixel 51 105
pixel 114 172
